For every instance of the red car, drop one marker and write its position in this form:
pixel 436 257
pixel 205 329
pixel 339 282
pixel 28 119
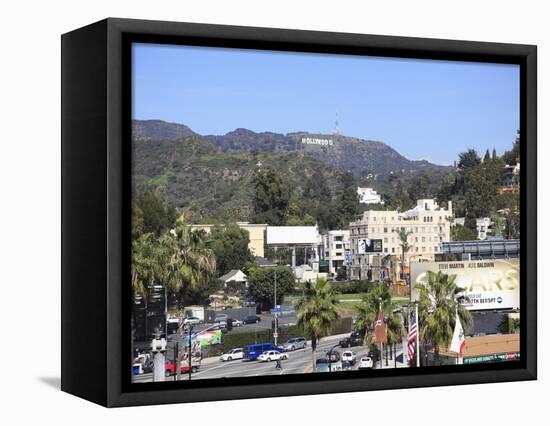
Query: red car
pixel 171 370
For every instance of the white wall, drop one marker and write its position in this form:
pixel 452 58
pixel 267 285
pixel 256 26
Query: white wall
pixel 30 179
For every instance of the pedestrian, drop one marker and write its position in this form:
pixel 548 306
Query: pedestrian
pixel 279 365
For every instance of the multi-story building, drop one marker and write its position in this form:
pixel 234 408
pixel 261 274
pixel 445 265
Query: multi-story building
pixel 256 235
pixel 369 196
pixel 427 223
pixel 335 246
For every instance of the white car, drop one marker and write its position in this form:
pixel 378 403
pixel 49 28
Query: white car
pixel 192 320
pixel 349 356
pixel 365 362
pixel 236 323
pixel 272 356
pixel 237 353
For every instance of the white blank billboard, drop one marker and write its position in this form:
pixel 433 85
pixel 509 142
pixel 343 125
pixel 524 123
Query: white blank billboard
pixel 292 235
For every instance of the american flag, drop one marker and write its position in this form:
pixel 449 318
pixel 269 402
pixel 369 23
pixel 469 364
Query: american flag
pixel 412 339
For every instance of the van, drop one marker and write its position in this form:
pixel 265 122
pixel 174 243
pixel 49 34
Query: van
pixel 252 352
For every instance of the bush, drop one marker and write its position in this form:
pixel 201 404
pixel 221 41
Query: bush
pixel 355 286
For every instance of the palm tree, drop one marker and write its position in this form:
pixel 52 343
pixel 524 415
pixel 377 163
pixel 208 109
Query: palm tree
pixel 184 260
pixel 405 246
pixel 437 307
pixel 379 296
pixel 316 311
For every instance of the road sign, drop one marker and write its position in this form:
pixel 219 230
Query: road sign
pixel 275 310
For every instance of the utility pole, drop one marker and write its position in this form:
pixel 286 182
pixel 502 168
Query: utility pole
pixel 176 361
pixel 189 355
pixel 380 310
pixel 275 332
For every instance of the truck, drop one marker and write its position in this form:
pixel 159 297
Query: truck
pixel 194 311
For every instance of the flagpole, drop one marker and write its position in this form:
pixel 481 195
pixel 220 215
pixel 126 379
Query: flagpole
pixel 417 334
pixel 380 310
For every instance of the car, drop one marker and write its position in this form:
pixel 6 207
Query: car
pixel 349 356
pixel 272 356
pixel 236 323
pixel 219 326
pixel 354 339
pixel 237 353
pixel 170 369
pixel 252 319
pixel 333 356
pixel 295 343
pixel 252 352
pixel 365 362
pixel 192 320
pixel 322 365
pixel 346 366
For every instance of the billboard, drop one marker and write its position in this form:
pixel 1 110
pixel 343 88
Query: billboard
pixel 208 338
pixel 488 284
pixel 365 246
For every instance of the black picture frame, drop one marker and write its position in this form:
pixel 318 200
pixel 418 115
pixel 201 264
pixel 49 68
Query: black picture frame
pixel 96 132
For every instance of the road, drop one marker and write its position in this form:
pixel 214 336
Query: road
pixel 300 361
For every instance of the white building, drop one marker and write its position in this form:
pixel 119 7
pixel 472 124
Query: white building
pixel 427 223
pixel 369 196
pixel 483 225
pixel 235 275
pixel 335 245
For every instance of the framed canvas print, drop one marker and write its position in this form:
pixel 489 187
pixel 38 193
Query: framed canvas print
pixel 254 212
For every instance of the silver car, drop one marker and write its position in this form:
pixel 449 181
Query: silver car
pixel 295 343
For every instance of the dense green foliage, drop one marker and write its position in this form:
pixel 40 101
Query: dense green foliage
pixel 230 245
pixel 261 284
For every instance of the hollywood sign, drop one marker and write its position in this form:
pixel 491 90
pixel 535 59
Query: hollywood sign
pixel 315 141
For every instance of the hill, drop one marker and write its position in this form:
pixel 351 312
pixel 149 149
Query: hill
pixel 359 156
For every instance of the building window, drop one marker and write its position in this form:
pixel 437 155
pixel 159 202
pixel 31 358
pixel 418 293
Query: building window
pixel 393 249
pixel 385 249
pixel 338 246
pixel 386 239
pixel 385 230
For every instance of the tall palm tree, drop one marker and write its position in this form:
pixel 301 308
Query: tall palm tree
pixel 379 296
pixel 405 246
pixel 437 307
pixel 316 310
pixel 184 259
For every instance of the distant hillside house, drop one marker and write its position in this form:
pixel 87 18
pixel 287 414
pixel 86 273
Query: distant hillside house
pixel 369 196
pixel 235 275
pixel 255 235
pixel 510 175
pixel 483 225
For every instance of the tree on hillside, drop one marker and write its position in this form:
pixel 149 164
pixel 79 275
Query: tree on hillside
pixel 271 198
pixel 261 284
pixel 155 215
pixel 316 311
pixel 468 160
pixel 348 203
pixel 461 233
pixel 230 245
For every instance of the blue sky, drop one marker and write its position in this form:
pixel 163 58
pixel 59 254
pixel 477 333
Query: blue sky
pixel 424 109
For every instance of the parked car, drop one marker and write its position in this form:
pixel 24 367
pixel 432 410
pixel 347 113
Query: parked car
pixel 237 353
pixel 365 362
pixel 272 356
pixel 219 326
pixel 252 319
pixel 236 323
pixel 354 339
pixel 192 320
pixel 295 343
pixel 349 356
pixel 252 352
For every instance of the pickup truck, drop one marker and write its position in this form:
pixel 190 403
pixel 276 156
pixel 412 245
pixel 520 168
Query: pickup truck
pixel 353 339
